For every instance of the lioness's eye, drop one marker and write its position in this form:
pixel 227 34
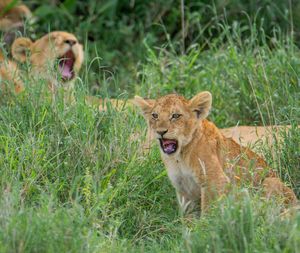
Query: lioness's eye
pixel 176 115
pixel 154 115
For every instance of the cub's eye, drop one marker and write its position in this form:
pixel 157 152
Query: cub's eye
pixel 154 115
pixel 176 115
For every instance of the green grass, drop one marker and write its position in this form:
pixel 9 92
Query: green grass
pixel 74 180
pixel 116 29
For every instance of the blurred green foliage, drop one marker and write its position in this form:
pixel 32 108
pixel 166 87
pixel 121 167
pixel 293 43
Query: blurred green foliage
pixel 116 30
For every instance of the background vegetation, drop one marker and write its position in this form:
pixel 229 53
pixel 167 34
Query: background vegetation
pixel 118 31
pixel 76 180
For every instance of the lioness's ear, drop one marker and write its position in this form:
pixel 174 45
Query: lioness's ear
pixel 201 104
pixel 20 48
pixel 145 104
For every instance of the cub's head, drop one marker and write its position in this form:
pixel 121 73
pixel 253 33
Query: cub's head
pixel 174 119
pixel 56 49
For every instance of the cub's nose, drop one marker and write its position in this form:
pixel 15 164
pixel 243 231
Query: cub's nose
pixel 71 42
pixel 162 132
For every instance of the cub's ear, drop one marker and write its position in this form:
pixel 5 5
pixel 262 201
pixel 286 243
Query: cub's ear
pixel 20 48
pixel 144 104
pixel 201 104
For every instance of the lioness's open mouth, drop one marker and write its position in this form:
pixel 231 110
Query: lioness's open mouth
pixel 65 65
pixel 168 146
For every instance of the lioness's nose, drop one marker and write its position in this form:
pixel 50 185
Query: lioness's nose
pixel 71 42
pixel 162 132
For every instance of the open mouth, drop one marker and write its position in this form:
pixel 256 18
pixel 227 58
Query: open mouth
pixel 65 65
pixel 168 146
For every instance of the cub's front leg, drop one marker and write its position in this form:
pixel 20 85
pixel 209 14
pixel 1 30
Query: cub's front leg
pixel 215 185
pixel 186 204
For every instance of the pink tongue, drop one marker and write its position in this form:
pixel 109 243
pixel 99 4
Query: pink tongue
pixel 66 70
pixel 169 146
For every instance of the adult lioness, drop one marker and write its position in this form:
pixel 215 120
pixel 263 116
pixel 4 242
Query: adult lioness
pixel 56 58
pixel 202 163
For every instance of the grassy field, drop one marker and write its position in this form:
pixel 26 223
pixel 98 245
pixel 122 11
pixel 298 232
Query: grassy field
pixel 74 179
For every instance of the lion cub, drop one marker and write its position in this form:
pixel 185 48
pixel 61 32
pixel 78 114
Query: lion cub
pixel 201 163
pixel 56 58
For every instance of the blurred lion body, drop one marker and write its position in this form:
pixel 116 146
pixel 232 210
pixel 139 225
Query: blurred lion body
pixel 12 16
pixel 9 77
pixel 201 162
pixel 103 104
pixel 251 135
pixel 246 136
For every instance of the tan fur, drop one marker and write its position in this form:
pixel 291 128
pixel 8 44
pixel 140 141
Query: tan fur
pixel 9 77
pixel 12 19
pixel 251 135
pixel 44 55
pixel 103 104
pixel 205 163
pixel 246 136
